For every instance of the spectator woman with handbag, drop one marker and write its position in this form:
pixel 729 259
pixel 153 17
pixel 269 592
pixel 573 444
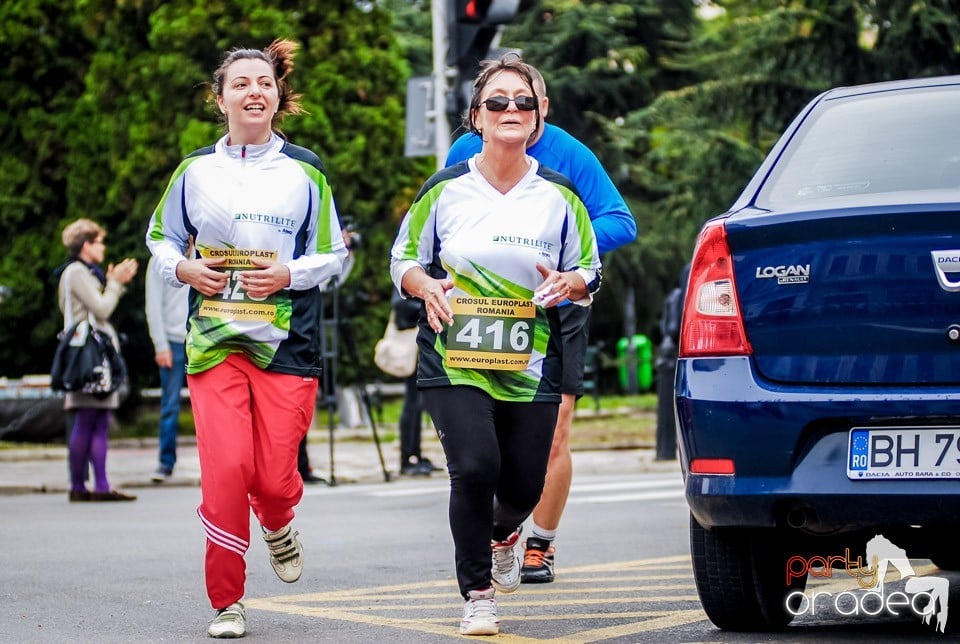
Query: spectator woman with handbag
pixel 85 290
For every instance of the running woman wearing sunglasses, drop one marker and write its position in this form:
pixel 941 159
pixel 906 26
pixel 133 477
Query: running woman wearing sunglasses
pixel 614 226
pixel 491 246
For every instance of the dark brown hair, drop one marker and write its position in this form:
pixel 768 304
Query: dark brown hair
pixel 509 62
pixel 279 55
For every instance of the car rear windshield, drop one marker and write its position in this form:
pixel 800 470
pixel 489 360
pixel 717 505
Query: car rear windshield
pixel 886 141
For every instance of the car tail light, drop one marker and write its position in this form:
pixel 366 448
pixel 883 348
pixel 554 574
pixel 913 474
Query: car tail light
pixel 712 466
pixel 712 323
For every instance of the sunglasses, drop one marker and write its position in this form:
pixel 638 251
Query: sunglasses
pixel 500 103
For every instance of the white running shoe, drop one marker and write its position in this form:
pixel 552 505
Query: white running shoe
pixel 161 474
pixel 505 570
pixel 286 553
pixel 229 622
pixel 480 613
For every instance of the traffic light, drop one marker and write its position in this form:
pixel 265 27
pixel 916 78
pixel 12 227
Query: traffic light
pixel 473 27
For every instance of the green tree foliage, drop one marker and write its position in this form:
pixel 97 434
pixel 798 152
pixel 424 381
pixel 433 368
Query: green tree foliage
pixel 754 65
pixel 102 99
pixel 44 50
pixel 413 26
pixel 912 38
pixel 601 57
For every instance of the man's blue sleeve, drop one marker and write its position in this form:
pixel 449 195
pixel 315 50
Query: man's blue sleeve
pixel 463 148
pixel 613 223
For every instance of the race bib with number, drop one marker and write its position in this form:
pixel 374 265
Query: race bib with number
pixel 490 333
pixel 233 303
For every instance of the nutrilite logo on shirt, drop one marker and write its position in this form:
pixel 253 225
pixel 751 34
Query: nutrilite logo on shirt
pixel 517 240
pixel 284 224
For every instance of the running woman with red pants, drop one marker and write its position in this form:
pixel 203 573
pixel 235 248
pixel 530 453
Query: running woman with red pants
pixel 266 235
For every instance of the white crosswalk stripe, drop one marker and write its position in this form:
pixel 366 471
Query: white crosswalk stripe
pixel 625 491
pixel 622 490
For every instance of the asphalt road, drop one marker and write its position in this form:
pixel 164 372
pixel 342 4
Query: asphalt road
pixel 378 567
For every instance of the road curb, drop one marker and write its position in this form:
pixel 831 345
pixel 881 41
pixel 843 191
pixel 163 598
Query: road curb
pixel 130 462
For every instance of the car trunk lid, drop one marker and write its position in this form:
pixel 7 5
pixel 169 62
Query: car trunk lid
pixel 851 296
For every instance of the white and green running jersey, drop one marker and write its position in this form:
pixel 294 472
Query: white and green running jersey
pixel 243 203
pixel 489 244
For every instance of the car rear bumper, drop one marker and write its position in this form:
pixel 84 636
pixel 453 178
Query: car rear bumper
pixel 789 448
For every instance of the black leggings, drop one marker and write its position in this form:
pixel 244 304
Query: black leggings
pixel 497 456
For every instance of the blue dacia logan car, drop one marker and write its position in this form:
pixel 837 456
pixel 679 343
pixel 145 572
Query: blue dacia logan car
pixel 818 382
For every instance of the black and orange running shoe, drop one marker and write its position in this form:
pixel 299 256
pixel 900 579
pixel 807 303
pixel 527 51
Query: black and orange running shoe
pixel 537 562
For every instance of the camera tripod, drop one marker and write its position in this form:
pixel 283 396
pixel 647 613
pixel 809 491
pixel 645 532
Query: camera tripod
pixel 333 327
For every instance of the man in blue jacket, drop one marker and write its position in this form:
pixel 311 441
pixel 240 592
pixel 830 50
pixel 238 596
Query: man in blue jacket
pixel 614 226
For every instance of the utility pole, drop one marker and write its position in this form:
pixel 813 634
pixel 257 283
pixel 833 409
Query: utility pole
pixel 441 44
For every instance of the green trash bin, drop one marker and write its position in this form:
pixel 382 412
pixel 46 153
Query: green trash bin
pixel 635 363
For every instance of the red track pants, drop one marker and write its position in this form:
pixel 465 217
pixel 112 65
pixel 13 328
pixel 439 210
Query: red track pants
pixel 249 424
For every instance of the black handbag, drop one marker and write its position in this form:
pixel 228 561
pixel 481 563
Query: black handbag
pixel 406 312
pixel 86 361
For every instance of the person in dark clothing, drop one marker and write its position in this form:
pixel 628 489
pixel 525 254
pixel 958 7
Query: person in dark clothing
pixel 412 463
pixel 351 241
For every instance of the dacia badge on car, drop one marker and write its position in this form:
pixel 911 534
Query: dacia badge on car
pixel 946 263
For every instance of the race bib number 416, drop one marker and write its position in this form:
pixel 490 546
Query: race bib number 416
pixel 233 303
pixel 490 333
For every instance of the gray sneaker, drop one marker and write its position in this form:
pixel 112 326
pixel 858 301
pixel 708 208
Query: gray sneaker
pixel 229 622
pixel 286 553
pixel 505 571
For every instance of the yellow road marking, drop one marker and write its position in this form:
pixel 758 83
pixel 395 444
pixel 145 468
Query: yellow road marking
pixel 374 606
pixel 667 620
pixel 553 617
pixel 444 593
pixel 587 601
pixel 567 579
pixel 646 564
